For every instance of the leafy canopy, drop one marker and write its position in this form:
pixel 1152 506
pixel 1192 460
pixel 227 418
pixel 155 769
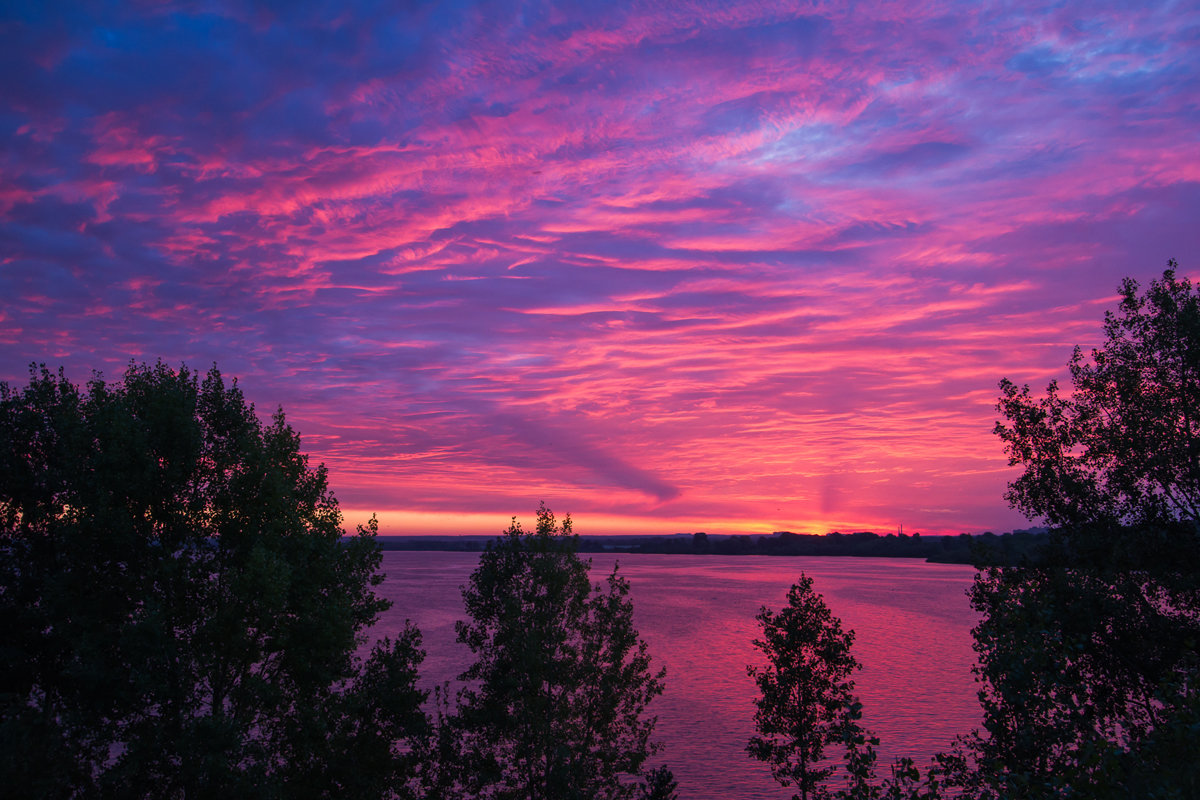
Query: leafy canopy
pixel 1123 447
pixel 806 696
pixel 556 700
pixel 179 612
pixel 1088 657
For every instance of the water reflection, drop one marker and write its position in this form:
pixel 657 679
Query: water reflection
pixel 911 619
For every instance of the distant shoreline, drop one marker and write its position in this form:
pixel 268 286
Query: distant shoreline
pixel 961 549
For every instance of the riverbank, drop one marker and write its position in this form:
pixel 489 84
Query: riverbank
pixel 988 548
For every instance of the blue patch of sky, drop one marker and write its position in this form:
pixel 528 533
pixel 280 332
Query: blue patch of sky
pixel 804 143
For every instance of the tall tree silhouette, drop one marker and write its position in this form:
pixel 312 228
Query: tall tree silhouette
pixel 806 697
pixel 179 613
pixel 1089 657
pixel 556 699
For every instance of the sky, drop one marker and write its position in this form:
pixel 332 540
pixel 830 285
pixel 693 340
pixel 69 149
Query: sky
pixel 667 266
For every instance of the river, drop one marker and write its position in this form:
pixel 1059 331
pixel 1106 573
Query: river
pixel 911 619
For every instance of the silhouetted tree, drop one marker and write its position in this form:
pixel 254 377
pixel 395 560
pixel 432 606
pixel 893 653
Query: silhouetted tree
pixel 659 784
pixel 806 697
pixel 555 702
pixel 1089 656
pixel 179 613
pixel 1123 448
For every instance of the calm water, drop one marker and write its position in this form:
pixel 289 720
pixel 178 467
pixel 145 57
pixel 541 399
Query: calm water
pixel 696 613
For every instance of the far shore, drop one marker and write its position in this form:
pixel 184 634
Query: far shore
pixel 965 548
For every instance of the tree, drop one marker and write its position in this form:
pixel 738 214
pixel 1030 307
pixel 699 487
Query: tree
pixel 1124 447
pixel 1089 656
pixel 659 784
pixel 806 700
pixel 555 701
pixel 179 613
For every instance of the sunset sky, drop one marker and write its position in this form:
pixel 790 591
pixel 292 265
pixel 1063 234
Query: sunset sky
pixel 668 266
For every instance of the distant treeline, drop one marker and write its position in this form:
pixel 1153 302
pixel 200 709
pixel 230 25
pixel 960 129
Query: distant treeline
pixel 987 548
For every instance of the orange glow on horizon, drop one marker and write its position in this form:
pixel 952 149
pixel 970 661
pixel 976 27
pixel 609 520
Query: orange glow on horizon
pixel 433 523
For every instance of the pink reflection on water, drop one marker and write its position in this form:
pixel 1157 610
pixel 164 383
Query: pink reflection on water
pixel 912 623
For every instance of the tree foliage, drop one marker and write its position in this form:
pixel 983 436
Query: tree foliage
pixel 179 614
pixel 1123 447
pixel 1088 657
pixel 555 702
pixel 1087 684
pixel 806 697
